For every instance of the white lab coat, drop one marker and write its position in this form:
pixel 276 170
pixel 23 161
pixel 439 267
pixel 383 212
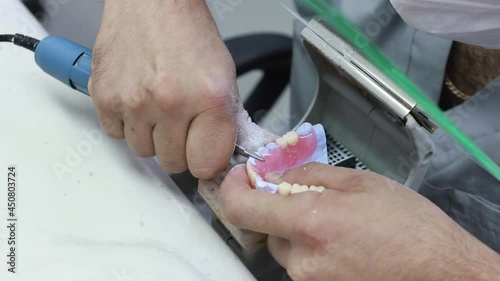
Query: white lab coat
pixel 469 21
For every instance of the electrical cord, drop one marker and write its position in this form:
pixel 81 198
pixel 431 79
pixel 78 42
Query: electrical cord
pixel 6 38
pixel 20 40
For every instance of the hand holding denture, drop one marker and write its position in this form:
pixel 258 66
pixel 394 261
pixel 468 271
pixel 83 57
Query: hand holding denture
pixel 363 226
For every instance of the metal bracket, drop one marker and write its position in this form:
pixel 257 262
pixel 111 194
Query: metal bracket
pixel 349 63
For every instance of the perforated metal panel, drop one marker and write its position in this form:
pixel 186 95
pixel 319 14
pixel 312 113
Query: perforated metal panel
pixel 339 155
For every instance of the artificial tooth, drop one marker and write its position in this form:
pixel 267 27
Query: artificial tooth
pixel 305 129
pixel 319 189
pixel 262 151
pixel 272 188
pixel 272 146
pixel 285 188
pixel 296 188
pixel 281 142
pixel 260 185
pixel 253 161
pixel 291 138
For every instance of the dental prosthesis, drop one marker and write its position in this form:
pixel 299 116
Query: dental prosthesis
pixel 305 145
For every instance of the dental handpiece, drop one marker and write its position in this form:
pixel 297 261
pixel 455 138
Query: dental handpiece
pixel 71 64
pixel 62 59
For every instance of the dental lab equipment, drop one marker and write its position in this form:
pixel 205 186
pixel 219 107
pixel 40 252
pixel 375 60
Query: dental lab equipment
pixel 244 152
pixel 393 77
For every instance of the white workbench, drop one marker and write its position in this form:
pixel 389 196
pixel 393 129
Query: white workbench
pixel 101 214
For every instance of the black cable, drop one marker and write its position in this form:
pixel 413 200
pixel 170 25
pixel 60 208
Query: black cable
pixel 6 38
pixel 20 40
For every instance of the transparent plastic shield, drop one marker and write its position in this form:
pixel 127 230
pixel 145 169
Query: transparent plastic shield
pixel 350 33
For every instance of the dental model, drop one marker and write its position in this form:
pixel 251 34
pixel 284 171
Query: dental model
pixel 305 145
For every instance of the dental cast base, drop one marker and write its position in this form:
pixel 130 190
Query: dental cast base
pixel 305 145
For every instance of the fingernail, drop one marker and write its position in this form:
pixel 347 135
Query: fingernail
pixel 237 168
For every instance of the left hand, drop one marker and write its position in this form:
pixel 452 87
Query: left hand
pixel 363 227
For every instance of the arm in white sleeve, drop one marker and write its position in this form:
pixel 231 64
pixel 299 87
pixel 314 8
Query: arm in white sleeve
pixel 474 22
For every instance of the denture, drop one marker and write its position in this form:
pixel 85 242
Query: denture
pixel 305 145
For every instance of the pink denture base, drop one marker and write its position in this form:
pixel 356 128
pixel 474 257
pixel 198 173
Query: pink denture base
pixel 279 159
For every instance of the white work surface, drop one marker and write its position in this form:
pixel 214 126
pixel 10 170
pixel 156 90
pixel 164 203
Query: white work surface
pixel 111 216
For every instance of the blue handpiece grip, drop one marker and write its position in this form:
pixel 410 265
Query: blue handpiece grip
pixel 66 61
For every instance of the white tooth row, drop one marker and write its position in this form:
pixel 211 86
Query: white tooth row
pixel 290 138
pixel 287 188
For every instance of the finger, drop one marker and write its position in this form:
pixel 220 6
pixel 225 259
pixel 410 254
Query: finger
pixel 112 125
pixel 110 118
pixel 210 142
pixel 279 248
pixel 169 137
pixel 139 134
pixel 259 211
pixel 340 179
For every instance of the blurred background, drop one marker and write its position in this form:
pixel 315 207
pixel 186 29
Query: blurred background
pixel 79 20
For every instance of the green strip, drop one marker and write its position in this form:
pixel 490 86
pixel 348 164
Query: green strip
pixel 355 37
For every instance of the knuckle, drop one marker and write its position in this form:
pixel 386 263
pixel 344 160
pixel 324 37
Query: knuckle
pixel 108 102
pixel 214 92
pixel 115 133
pixel 216 88
pixel 170 101
pixel 356 181
pixel 171 93
pixel 135 99
pixel 165 89
pixel 112 128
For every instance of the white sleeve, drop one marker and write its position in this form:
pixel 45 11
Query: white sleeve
pixel 469 21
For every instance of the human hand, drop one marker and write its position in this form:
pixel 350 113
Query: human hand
pixel 164 80
pixel 362 227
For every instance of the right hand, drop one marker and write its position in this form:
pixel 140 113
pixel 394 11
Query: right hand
pixel 164 80
pixel 362 227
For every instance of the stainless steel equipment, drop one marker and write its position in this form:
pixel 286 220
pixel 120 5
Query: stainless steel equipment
pixel 372 124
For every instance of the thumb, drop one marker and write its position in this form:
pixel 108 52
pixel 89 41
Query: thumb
pixel 236 183
pixel 255 210
pixel 236 178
